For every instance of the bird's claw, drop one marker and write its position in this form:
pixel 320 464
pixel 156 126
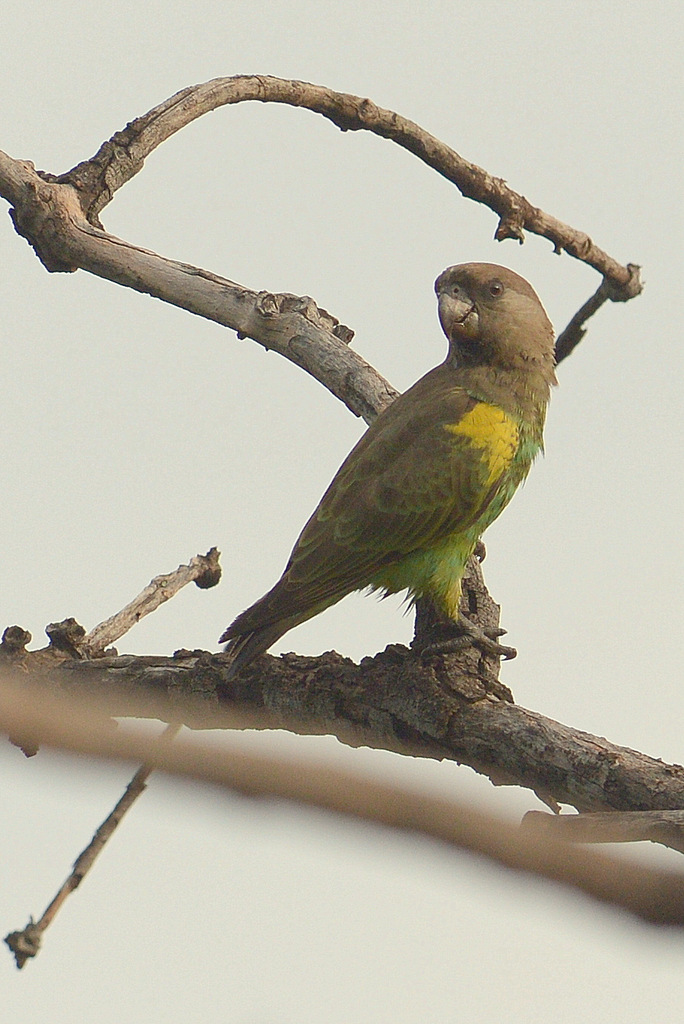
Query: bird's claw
pixel 484 639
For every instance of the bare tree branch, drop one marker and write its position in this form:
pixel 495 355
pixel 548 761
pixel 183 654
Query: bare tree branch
pixel 569 338
pixel 202 570
pixel 96 181
pixel 50 217
pixel 395 701
pixel 446 706
pixel 50 221
pixel 123 156
pixel 654 895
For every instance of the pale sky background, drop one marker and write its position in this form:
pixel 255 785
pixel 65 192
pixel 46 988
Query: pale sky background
pixel 134 436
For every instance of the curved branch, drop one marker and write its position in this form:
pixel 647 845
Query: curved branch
pixel 123 156
pixel 45 219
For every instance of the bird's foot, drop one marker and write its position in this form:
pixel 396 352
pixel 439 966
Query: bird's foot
pixel 486 640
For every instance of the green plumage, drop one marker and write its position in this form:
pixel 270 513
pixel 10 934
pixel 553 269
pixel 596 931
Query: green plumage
pixel 409 503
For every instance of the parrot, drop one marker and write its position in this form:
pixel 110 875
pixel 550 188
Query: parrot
pixel 409 504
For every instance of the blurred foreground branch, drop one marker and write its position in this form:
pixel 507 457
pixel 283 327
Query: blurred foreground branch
pixel 76 725
pixel 666 827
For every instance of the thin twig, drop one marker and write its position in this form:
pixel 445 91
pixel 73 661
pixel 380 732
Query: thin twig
pixel 203 570
pixel 26 943
pixel 570 338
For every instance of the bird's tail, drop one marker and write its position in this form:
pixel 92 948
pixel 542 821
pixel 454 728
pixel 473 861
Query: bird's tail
pixel 257 628
pixel 243 648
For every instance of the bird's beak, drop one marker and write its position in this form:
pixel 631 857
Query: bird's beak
pixel 458 316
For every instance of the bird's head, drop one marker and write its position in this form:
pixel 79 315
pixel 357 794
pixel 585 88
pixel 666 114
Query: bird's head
pixel 493 317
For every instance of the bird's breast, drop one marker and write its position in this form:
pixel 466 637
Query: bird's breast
pixel 494 432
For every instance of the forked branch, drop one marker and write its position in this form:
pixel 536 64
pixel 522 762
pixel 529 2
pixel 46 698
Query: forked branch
pixel 63 226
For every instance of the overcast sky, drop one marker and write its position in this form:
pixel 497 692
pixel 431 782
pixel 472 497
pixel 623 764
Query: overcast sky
pixel 135 436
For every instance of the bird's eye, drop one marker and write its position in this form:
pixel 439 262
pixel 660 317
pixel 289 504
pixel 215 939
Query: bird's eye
pixel 496 288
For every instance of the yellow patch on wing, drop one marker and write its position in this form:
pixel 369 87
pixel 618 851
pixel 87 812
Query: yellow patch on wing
pixel 492 430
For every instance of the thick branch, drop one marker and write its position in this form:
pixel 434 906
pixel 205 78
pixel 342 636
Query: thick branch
pixel 51 218
pixel 394 701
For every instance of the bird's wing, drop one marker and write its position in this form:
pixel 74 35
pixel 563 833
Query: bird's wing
pixel 430 469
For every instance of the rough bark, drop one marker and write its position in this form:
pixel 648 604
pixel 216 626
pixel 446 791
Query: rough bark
pixel 395 701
